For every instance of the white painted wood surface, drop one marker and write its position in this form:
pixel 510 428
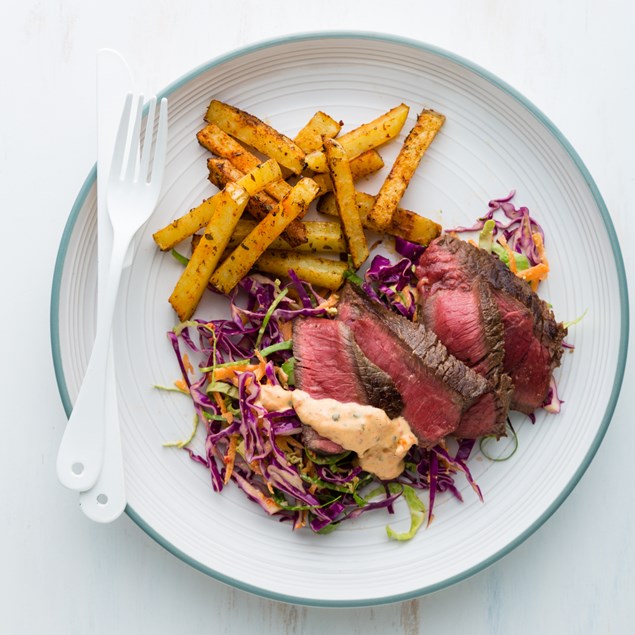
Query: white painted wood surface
pixel 59 572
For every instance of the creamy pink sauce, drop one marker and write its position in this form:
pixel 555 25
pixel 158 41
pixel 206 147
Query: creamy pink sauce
pixel 381 443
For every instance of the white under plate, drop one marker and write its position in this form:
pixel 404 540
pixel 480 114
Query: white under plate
pixel 493 141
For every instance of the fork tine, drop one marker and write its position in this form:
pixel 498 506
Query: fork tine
pixel 120 142
pixel 134 141
pixel 147 142
pixel 158 165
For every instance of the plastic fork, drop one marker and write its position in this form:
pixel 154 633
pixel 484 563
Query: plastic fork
pixel 133 191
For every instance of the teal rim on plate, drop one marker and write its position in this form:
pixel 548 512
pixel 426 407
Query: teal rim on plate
pixel 618 263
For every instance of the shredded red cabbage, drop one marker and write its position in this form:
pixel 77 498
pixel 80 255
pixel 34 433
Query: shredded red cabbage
pixel 553 403
pixel 394 284
pixel 271 465
pixel 517 230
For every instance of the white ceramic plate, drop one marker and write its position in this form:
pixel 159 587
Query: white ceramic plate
pixel 493 141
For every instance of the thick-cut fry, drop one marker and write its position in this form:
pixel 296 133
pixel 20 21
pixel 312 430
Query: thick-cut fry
pixel 320 272
pixel 320 125
pixel 366 137
pixel 196 218
pixel 321 236
pixel 417 142
pixel 242 259
pixel 256 133
pixel 222 171
pixel 364 165
pixel 344 191
pixel 405 224
pixel 278 241
pixel 221 144
pixel 189 289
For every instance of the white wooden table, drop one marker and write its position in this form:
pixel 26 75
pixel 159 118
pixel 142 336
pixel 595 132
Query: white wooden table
pixel 59 572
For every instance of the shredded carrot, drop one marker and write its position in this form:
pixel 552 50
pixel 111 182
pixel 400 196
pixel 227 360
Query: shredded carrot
pixel 210 327
pixel 286 328
pixel 229 372
pixel 230 457
pixel 220 402
pixel 536 274
pixel 188 364
pixel 272 506
pixel 472 242
pixel 260 369
pixel 537 238
pixel 510 254
pixel 261 359
pixel 301 519
pixel 181 385
pixel 330 302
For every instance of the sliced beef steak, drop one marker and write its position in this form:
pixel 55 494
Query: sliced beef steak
pixel 381 391
pixel 330 365
pixel 464 314
pixel 436 387
pixel 532 338
pixel 466 319
pixel 319 444
pixel 488 415
pixel 325 365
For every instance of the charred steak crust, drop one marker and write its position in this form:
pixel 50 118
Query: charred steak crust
pixel 421 342
pixel 381 391
pixel 493 331
pixel 492 367
pixel 488 416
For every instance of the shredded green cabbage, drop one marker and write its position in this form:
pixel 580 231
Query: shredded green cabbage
pixel 417 514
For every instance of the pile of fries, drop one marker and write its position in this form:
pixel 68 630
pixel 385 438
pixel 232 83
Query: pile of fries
pixel 255 221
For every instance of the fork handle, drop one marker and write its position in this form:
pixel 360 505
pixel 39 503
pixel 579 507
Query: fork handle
pixel 81 452
pixel 106 500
